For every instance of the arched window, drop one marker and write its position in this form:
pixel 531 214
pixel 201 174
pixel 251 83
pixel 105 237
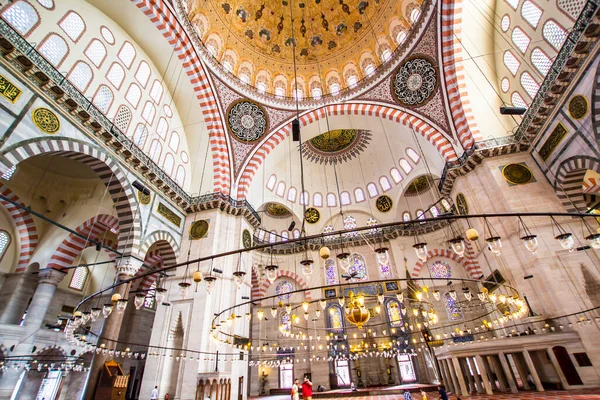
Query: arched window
pixel 406 167
pixel 168 164
pixel 244 78
pixel 529 84
pixel 345 198
pixel 96 52
pixel 80 76
pixel 531 13
pixel 369 69
pixel 296 234
pixel 286 323
pixel 350 223
pixel 262 87
pixel 394 312
pixel 21 16
pixel 78 278
pixel 140 135
pixel 156 91
pixel 155 150
pixel 396 175
pixel 271 182
pixel 298 94
pixel 272 237
pixel 149 112
pixel 554 34
pixel 385 269
pixel 279 91
pixel 541 61
pixel 4 243
pixel 304 198
pixel 511 62
pixel 331 277
pixel 420 214
pixel 122 119
pixel 180 176
pixel 103 98
pixel 359 195
pixel 412 154
pixel 336 323
pixel 285 236
pixel 513 3
pixel 434 211
pixel 54 49
pixel 385 183
pixel 517 100
pixel 162 127
pixel 115 75
pixel 133 95
pixel 280 189
pixel 401 36
pixel 452 308
pixel 386 54
pixel 358 265
pixel 440 269
pixel 372 189
pixel 414 15
pixel 127 54
pixel 292 194
pixel 446 205
pixel 316 92
pixel 520 39
pixel 174 141
pixel 261 234
pixel 142 75
pixel 318 200
pixel 352 80
pixel 72 24
pixel 406 216
pixel 334 88
pixel 331 200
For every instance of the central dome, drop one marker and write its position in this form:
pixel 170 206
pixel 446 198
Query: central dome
pixel 338 42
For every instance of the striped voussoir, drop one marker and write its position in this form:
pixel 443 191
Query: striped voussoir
pixel 569 181
pixel 591 186
pixel 437 139
pixel 454 75
pixel 24 227
pixel 286 274
pixel 72 246
pixel 108 171
pixel 255 293
pixel 162 252
pixel 596 104
pixel 166 22
pixel 469 263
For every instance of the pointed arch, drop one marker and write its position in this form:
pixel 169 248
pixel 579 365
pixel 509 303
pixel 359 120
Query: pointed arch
pixel 286 274
pixel 159 249
pixel 469 263
pixel 569 181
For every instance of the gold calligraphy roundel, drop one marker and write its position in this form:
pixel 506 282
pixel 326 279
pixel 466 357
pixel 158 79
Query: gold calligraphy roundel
pixel 312 215
pixel 517 174
pixel 461 204
pixel 144 198
pixel 199 229
pixel 246 239
pixel 46 120
pixel 384 203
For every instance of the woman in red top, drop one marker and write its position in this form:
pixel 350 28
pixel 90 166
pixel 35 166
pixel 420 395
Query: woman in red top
pixel 306 389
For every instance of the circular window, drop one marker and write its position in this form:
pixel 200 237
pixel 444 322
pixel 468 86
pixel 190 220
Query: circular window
pixel 168 111
pixel 107 35
pixel 505 23
pixel 184 157
pixel 505 85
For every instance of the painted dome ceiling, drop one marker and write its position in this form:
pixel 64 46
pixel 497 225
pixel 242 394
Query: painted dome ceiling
pixel 339 42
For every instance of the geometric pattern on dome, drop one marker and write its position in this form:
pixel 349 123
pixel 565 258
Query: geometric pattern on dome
pixel 283 290
pixel 440 269
pixel 277 210
pixel 417 186
pixel 247 121
pixel 336 146
pixel 415 82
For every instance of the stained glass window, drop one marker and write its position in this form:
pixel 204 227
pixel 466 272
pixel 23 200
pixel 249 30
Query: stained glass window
pixel 394 313
pixel 385 270
pixel 452 308
pixel 328 229
pixel 511 62
pixel 350 223
pixel 358 265
pixel 531 13
pixel 529 84
pixel 434 211
pixel 372 222
pixel 331 277
pixel 517 100
pixel 520 39
pixel 446 205
pixel 272 237
pixel 420 214
pixel 283 290
pixel 440 269
pixel 406 216
pixel 286 323
pixel 285 235
pixel 335 319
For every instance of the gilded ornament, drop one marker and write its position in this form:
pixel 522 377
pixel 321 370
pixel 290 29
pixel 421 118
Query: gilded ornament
pixel 415 81
pixel 384 203
pixel 557 135
pixel 417 186
pixel 336 146
pixel 277 210
pixel 46 120
pixel 8 90
pixel 578 106
pixel 461 204
pixel 246 239
pixel 517 174
pixel 169 214
pixel 199 229
pixel 144 199
pixel 312 215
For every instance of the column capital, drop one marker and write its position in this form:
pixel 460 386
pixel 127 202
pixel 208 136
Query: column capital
pixel 51 276
pixel 127 267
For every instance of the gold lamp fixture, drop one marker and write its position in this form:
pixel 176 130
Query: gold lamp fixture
pixel 357 314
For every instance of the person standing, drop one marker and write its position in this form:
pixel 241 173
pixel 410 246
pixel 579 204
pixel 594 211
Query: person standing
pixel 442 392
pixel 295 390
pixel 154 394
pixel 307 389
pixel 407 395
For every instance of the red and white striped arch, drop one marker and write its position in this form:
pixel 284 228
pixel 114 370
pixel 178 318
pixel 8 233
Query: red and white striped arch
pixel 255 293
pixel 454 73
pixel 166 22
pixel 286 274
pixel 470 264
pixel 161 250
pixel 24 227
pixel 591 186
pixel 437 139
pixel 73 245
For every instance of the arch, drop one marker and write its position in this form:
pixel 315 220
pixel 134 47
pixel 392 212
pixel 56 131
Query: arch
pixel 255 291
pixel 166 22
pixel 160 250
pixel 159 236
pixel 454 76
pixel 107 169
pixel 25 227
pixel 437 139
pixel 469 263
pixel 569 181
pixel 286 274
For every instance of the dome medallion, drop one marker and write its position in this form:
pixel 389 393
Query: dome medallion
pixel 415 81
pixel 247 121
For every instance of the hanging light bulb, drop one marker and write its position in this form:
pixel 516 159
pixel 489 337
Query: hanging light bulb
pixel 121 305
pixel 468 295
pixel 494 244
pixel 380 298
pixel 566 241
pixel 452 294
pixel 378 309
pixel 594 240
pixel 400 296
pixel 324 252
pixel 305 306
pixel 95 313
pixel 160 294
pixel 138 301
pixel 419 295
pixel 421 250
pixel 239 278
pixel 307 267
pixel 383 256
pixel 530 242
pixel 210 283
pixel 274 312
pixel 260 314
pixel 107 310
pixel 481 296
pixel 306 316
pixel 322 304
pixel 115 297
pixel 436 295
pixel 317 313
pixel 472 234
pixel 296 319
pixel 85 317
pixel 342 301
pixel 271 272
pixel 458 245
pixel 288 308
pixel 183 289
pixel 344 261
pixel 248 316
pixel 197 277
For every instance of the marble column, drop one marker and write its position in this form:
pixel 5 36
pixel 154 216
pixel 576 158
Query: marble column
pixel 531 366
pixel 450 370
pixel 460 377
pixel 465 370
pixel 522 370
pixel 508 372
pixel 477 379
pixel 445 377
pixel 48 280
pixel 498 372
pixel 484 370
pixel 559 371
pixel 23 287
